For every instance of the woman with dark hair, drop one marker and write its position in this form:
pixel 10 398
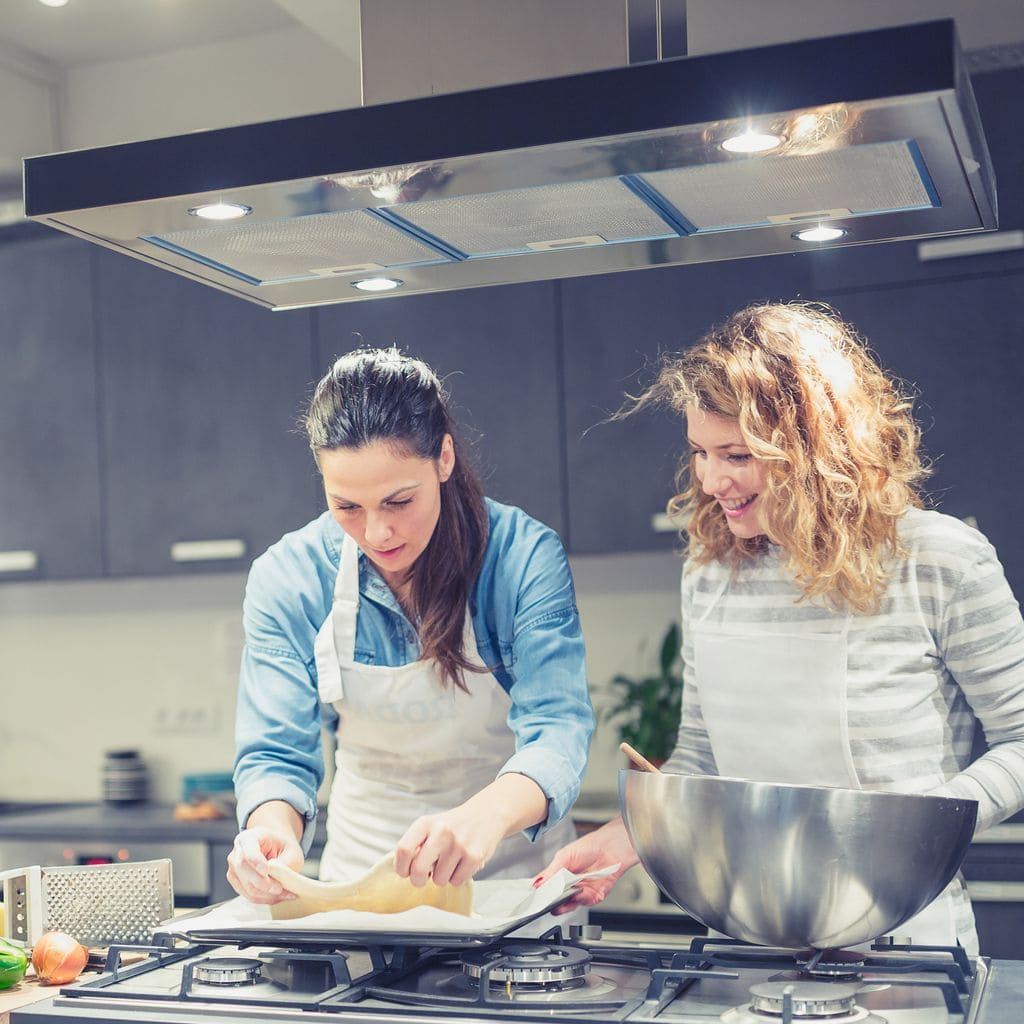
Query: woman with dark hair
pixel 836 632
pixel 435 629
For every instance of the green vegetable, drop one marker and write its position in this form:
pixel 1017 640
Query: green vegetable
pixel 13 963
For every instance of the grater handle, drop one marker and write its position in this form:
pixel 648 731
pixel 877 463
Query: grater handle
pixel 23 904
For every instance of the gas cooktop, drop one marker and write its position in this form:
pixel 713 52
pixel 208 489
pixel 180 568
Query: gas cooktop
pixel 581 978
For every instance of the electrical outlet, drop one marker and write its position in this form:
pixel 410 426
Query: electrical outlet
pixel 186 720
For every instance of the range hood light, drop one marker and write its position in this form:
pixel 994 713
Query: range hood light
pixel 752 142
pixel 221 211
pixel 377 284
pixel 819 233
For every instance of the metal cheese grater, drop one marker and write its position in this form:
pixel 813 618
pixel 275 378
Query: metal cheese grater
pixel 97 904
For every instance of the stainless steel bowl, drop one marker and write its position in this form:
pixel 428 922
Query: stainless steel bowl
pixel 794 866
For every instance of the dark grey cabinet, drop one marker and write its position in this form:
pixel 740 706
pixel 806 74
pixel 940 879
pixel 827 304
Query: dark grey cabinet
pixel 960 346
pixel 496 350
pixel 621 472
pixel 49 461
pixel 198 412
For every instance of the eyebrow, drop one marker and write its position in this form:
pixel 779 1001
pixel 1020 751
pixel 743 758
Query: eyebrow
pixel 387 497
pixel 717 447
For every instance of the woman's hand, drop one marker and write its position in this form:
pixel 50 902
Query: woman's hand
pixel 451 847
pixel 608 845
pixel 272 832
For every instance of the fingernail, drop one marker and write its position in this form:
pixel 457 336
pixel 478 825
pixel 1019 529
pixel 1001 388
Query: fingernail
pixel 537 881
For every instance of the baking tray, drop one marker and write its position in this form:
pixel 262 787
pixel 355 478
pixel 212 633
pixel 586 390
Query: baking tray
pixel 301 938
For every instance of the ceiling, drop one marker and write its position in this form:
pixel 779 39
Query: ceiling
pixel 93 31
pixel 90 31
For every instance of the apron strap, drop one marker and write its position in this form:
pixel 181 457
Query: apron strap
pixel 336 640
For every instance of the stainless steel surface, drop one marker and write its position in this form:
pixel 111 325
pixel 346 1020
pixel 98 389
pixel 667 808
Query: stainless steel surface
pixel 681 984
pixel 794 866
pixel 99 905
pixel 587 174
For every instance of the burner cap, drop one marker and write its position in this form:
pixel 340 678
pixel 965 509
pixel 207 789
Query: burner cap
pixel 528 963
pixel 810 998
pixel 227 970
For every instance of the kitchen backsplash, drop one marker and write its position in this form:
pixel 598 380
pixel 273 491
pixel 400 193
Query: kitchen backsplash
pixel 151 664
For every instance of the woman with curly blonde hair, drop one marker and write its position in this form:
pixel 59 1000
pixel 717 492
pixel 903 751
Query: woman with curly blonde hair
pixel 836 632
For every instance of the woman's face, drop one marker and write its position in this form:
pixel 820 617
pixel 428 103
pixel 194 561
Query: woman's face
pixel 726 470
pixel 386 501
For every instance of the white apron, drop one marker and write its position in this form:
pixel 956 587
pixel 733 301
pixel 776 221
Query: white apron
pixel 409 746
pixel 792 680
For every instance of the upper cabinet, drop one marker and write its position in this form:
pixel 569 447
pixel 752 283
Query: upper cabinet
pixel 49 461
pixel 999 96
pixel 495 349
pixel 201 393
pixel 621 471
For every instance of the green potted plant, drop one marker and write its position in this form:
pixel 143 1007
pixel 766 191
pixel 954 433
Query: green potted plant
pixel 647 708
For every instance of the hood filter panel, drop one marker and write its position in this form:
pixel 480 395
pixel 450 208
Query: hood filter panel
pixel 299 248
pixel 525 220
pixel 862 180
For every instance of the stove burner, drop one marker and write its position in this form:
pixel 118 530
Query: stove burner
pixel 810 1001
pixel 227 970
pixel 529 963
pixel 831 963
pixel 810 998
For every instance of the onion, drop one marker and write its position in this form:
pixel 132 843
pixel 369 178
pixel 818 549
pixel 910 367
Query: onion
pixel 58 958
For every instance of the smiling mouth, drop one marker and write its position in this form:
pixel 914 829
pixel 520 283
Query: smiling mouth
pixel 390 553
pixel 734 509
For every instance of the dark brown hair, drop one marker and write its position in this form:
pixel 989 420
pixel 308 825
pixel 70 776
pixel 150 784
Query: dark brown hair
pixel 374 395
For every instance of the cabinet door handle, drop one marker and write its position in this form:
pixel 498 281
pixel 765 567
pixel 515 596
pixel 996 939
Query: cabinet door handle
pixel 970 245
pixel 18 561
pixel 207 550
pixel 662 522
pixel 996 892
pixel 1010 832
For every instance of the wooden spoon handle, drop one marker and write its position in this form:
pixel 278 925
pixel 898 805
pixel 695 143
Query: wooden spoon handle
pixel 637 758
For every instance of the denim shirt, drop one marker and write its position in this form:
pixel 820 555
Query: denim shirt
pixel 526 625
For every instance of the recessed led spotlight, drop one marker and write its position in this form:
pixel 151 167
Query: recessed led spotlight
pixel 221 211
pixel 819 233
pixel 752 142
pixel 53 3
pixel 377 284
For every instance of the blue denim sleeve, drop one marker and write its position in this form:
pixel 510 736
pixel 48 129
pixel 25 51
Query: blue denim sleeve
pixel 278 752
pixel 541 648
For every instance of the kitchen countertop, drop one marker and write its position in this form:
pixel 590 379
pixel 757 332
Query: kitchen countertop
pixel 147 821
pixel 154 822
pixel 29 991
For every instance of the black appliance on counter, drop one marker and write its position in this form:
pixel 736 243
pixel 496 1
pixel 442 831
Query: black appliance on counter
pixel 579 978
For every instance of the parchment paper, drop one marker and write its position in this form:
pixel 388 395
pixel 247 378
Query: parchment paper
pixel 499 905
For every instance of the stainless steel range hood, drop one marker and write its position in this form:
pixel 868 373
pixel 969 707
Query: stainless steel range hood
pixel 877 135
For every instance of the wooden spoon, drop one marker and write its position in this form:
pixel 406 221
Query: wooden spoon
pixel 379 891
pixel 637 758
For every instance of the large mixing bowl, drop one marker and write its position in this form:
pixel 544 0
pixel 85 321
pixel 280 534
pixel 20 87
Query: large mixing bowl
pixel 794 866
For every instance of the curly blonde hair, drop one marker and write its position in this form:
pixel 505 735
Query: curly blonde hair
pixel 835 433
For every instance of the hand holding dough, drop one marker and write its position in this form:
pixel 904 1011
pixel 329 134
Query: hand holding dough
pixel 379 891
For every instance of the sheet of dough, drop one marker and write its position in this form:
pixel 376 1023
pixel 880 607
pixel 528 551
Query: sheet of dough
pixel 379 891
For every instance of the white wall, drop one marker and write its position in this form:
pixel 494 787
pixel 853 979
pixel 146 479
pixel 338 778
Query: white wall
pixel 258 78
pixel 152 664
pixel 28 112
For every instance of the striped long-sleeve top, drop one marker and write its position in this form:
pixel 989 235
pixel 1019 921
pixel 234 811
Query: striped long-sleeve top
pixel 945 649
